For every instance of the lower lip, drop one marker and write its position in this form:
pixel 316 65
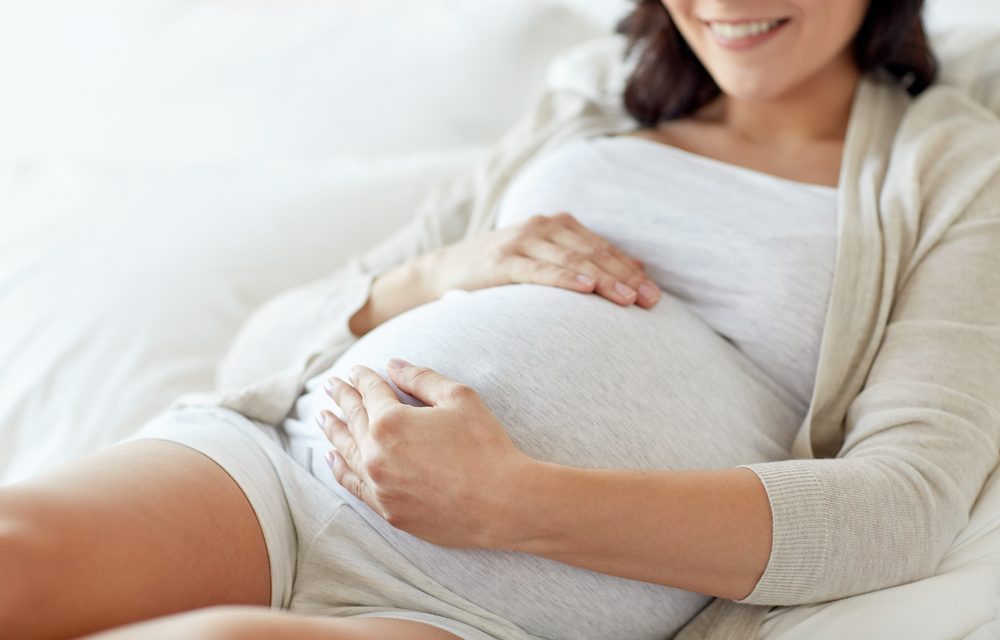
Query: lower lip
pixel 749 41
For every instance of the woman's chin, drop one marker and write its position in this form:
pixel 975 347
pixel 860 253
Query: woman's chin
pixel 752 87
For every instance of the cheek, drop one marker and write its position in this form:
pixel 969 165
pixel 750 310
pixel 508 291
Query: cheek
pixel 681 12
pixel 691 29
pixel 831 26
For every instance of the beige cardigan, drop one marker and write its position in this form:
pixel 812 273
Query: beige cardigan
pixel 904 423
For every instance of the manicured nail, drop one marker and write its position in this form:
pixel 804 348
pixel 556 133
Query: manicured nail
pixel 331 460
pixel 352 375
pixel 321 420
pixel 398 363
pixel 585 280
pixel 649 292
pixel 624 290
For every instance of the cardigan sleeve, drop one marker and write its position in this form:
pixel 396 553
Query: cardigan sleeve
pixel 314 317
pixel 922 436
pixel 310 317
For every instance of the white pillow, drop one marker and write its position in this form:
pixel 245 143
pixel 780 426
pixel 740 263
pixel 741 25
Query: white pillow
pixel 127 293
pixel 942 14
pixel 175 81
pixel 167 166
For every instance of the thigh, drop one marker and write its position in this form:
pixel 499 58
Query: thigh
pixel 143 529
pixel 244 623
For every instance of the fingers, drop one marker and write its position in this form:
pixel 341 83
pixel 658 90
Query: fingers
pixel 572 249
pixel 538 271
pixel 351 405
pixel 347 478
pixel 427 385
pixel 340 437
pixel 345 461
pixel 550 263
pixel 616 268
pixel 571 222
pixel 376 394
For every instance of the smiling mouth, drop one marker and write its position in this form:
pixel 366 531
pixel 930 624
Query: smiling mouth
pixel 744 31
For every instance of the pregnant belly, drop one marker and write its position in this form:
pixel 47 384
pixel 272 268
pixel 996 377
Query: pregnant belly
pixel 581 381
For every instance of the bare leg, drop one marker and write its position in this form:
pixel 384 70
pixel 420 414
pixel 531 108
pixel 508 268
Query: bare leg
pixel 246 623
pixel 141 530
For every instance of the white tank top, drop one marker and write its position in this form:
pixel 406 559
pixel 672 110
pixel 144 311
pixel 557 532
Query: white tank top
pixel 750 253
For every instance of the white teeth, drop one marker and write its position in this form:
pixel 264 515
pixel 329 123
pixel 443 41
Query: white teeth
pixel 740 30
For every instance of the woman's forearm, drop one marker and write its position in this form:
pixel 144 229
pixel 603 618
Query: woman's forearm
pixel 397 290
pixel 703 531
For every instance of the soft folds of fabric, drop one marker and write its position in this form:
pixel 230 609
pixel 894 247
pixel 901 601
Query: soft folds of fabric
pixel 894 213
pixel 565 377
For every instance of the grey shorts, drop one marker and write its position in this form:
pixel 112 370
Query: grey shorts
pixel 325 558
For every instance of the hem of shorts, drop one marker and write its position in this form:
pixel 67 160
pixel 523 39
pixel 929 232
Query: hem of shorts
pixel 254 496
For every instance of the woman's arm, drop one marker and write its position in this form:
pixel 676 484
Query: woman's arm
pixel 394 292
pixel 704 531
pixel 334 309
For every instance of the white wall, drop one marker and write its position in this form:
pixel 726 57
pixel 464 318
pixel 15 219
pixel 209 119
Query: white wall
pixel 946 13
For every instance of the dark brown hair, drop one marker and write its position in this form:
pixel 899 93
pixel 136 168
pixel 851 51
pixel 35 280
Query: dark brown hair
pixel 670 82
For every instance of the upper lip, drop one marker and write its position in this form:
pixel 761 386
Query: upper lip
pixel 741 20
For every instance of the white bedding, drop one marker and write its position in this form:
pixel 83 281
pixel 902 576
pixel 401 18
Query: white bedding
pixel 166 166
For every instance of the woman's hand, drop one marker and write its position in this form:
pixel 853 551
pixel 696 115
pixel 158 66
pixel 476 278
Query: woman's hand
pixel 443 472
pixel 554 250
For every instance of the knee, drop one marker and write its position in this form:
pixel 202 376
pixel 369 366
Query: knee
pixel 227 623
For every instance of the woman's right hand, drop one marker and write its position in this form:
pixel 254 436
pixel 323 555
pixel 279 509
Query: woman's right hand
pixel 552 250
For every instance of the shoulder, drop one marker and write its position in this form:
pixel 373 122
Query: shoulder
pixel 970 60
pixel 948 147
pixel 596 70
pixel 583 95
pixel 947 108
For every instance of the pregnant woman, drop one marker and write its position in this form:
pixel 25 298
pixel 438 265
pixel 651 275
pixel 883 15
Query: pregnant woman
pixel 755 366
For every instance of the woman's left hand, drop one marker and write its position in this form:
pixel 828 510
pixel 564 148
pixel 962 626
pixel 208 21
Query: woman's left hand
pixel 444 472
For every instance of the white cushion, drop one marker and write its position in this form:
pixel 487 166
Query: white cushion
pixel 167 166
pixel 173 81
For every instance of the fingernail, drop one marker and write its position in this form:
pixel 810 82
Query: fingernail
pixel 398 363
pixel 330 386
pixel 330 459
pixel 649 292
pixel 321 420
pixel 352 375
pixel 585 280
pixel 625 290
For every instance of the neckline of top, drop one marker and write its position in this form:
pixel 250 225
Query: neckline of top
pixel 735 168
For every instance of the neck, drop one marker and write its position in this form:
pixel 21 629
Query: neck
pixel 817 109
